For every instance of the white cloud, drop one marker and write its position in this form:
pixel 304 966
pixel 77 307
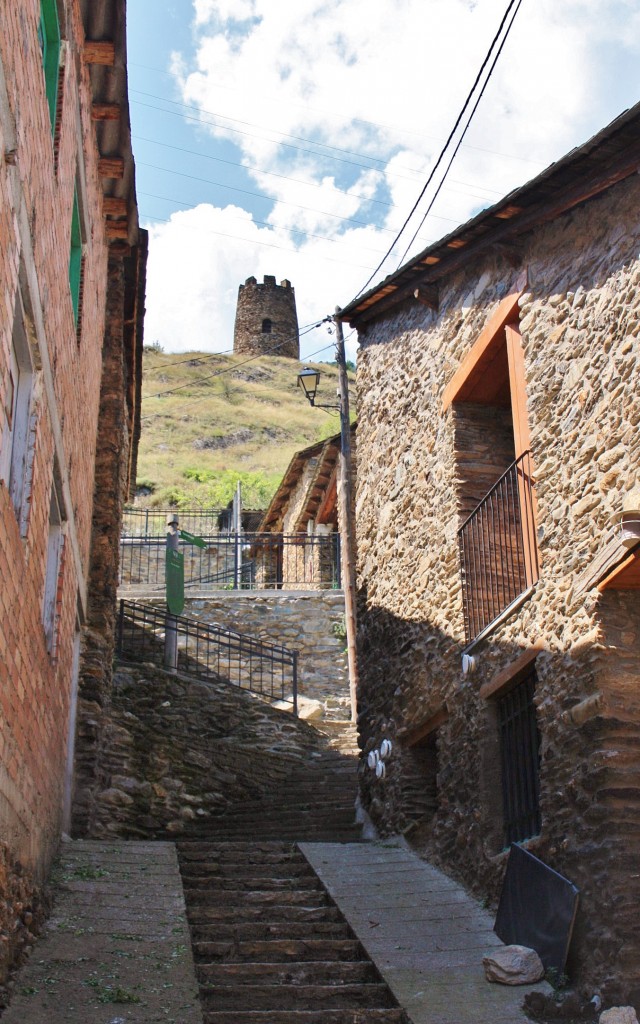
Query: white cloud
pixel 383 83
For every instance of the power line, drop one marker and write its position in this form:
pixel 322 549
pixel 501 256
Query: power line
pixel 332 114
pixel 268 245
pixel 202 356
pixel 265 224
pixel 464 131
pixel 466 103
pixel 312 184
pixel 228 369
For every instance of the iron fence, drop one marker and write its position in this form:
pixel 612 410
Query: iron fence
pixel 498 550
pixel 152 522
pixel 209 652
pixel 247 561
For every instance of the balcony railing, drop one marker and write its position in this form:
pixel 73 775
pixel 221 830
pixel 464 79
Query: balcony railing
pixel 246 561
pixel 498 549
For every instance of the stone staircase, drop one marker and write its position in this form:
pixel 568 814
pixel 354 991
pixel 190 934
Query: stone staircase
pixel 269 944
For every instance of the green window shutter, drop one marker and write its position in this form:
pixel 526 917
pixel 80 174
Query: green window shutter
pixel 75 257
pixel 49 38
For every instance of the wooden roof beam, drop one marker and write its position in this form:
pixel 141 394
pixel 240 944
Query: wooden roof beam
pixel 106 111
pixel 111 167
pixel 100 51
pixel 112 206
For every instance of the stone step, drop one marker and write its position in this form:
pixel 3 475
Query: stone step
pixel 216 883
pixel 303 835
pixel 291 997
pixel 264 898
pixel 238 852
pixel 276 950
pixel 388 1015
pixel 255 930
pixel 205 870
pixel 306 972
pixel 260 913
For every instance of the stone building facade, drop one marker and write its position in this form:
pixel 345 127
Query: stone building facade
pixel 499 612
pixel 72 286
pixel 266 319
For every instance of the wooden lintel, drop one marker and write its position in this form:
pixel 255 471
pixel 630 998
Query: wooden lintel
pixel 512 674
pixel 415 736
pixel 111 167
pixel 117 229
pixel 113 206
pixel 625 576
pixel 106 111
pixel 100 51
pixel 427 295
pixel 494 328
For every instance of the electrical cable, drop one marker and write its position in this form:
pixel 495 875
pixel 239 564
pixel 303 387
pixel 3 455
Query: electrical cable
pixel 228 369
pixel 440 158
pixel 265 224
pixel 464 132
pixel 268 245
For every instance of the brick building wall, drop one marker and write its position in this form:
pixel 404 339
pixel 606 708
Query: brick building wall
pixel 578 278
pixel 53 287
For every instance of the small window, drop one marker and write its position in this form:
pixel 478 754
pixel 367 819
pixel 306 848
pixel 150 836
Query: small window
pixel 520 760
pixel 266 326
pixel 49 38
pixel 53 574
pixel 76 269
pixel 18 430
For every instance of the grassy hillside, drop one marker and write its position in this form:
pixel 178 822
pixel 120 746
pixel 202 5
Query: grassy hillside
pixel 231 418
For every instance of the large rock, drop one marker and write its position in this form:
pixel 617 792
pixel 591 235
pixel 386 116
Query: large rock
pixel 619 1015
pixel 513 965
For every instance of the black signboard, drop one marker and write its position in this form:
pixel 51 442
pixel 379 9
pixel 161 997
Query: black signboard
pixel 537 908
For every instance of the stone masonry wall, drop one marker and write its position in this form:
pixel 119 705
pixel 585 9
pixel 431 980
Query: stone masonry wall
pixel 272 302
pixel 179 751
pixel 302 620
pixel 579 318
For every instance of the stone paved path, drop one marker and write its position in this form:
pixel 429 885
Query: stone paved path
pixel 424 933
pixel 116 948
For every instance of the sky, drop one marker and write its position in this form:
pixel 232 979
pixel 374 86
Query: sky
pixel 293 138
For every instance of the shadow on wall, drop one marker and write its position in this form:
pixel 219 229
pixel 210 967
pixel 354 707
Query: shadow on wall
pixel 515 751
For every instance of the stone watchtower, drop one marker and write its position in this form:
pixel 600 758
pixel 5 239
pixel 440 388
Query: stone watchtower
pixel 266 319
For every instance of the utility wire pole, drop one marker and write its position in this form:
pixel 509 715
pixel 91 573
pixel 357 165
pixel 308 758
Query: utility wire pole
pixel 345 513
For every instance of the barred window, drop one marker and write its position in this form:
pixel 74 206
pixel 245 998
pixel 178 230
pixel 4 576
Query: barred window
pixel 520 759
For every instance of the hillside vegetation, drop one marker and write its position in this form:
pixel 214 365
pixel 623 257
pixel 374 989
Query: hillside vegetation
pixel 231 418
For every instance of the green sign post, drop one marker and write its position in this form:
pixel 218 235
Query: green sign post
pixel 190 538
pixel 175 581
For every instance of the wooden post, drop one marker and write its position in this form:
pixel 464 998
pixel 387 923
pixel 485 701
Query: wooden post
pixel 345 513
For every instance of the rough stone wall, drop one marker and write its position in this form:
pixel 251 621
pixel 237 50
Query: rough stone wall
pixel 272 302
pixel 180 751
pixel 302 620
pixel 36 201
pixel 579 323
pixel 110 488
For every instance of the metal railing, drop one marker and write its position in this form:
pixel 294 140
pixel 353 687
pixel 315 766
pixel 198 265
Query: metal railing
pixel 152 522
pixel 498 549
pixel 209 652
pixel 247 561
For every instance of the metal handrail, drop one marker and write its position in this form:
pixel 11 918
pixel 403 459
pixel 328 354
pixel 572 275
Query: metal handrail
pixel 209 652
pixel 498 548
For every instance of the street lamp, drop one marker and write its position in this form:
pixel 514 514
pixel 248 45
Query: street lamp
pixel 308 380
